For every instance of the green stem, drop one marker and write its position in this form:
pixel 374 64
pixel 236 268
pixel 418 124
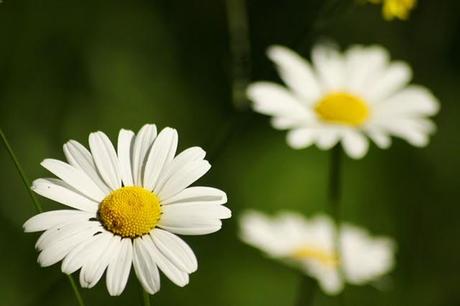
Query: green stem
pixel 22 174
pixel 146 297
pixel 306 292
pixel 334 195
pixel 36 203
pixel 76 291
pixel 240 50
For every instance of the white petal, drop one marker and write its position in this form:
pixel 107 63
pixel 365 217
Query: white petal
pixel 183 178
pixel 395 77
pixel 79 157
pixel 273 99
pixel 105 158
pixel 381 139
pixel 49 219
pixel 145 266
pixel 296 72
pixel 186 156
pixel 124 147
pixel 83 252
pixel 327 138
pixel 175 249
pixel 355 144
pixel 329 65
pixel 56 249
pixel 410 101
pixel 365 258
pixel 142 145
pixel 64 230
pixel 203 229
pixel 119 268
pixel 55 190
pixel 364 65
pixel 301 138
pixel 74 177
pixel 198 194
pixel 162 152
pixel 177 276
pixel 193 218
pixel 92 271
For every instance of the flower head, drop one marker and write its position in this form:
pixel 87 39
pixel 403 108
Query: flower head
pixel 127 207
pixel 309 245
pixel 396 8
pixel 344 98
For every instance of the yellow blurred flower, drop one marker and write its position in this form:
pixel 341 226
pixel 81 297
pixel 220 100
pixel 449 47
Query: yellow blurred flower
pixel 396 8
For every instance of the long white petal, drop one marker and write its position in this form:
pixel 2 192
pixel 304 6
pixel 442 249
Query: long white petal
pixel 395 77
pixel 142 144
pixel 202 229
pixel 105 158
pixel 355 144
pixel 55 250
pixel 183 178
pixel 198 194
pixel 145 266
pixel 329 65
pixel 186 156
pixel 176 275
pixel 175 249
pixel 82 253
pixel 79 157
pixel 56 191
pixel 124 147
pixel 119 268
pixel 301 137
pixel 162 152
pixel 74 177
pixel 92 271
pixel 296 73
pixel 49 219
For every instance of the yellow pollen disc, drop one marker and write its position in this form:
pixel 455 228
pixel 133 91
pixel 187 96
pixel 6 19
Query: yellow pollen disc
pixel 130 211
pixel 322 256
pixel 343 108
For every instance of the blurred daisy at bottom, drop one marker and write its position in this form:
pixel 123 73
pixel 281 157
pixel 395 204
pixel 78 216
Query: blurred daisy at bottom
pixel 309 245
pixel 128 205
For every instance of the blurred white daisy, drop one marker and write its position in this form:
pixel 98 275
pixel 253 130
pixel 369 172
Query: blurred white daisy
pixel 344 98
pixel 128 206
pixel 309 245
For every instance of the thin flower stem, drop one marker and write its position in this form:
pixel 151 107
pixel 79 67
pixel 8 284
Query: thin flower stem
pixel 36 203
pixel 240 49
pixel 21 172
pixel 334 195
pixel 306 292
pixel 146 297
pixel 76 291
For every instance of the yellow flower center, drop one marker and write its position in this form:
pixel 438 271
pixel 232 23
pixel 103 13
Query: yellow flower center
pixel 343 108
pixel 313 253
pixel 130 211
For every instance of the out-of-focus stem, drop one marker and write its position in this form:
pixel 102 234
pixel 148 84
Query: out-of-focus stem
pixel 240 50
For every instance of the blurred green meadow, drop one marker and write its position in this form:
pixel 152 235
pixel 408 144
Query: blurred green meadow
pixel 68 68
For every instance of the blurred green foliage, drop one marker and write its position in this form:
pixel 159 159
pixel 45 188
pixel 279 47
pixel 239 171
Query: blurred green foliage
pixel 71 67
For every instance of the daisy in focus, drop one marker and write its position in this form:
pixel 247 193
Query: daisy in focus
pixel 309 245
pixel 396 8
pixel 127 206
pixel 345 98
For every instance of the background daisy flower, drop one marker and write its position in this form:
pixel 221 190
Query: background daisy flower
pixel 309 245
pixel 345 98
pixel 128 204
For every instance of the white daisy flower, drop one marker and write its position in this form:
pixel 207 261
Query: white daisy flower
pixel 127 207
pixel 309 245
pixel 344 98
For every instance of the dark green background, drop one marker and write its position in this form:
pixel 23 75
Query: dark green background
pixel 71 67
